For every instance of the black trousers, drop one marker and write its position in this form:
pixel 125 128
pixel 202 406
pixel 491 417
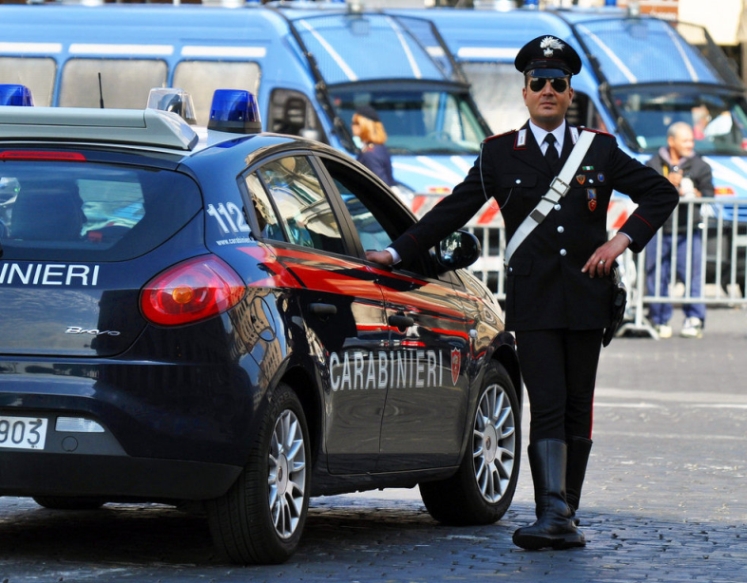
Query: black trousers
pixel 559 368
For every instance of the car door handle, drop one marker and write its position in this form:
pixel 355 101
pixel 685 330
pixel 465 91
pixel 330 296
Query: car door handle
pixel 323 309
pixel 400 321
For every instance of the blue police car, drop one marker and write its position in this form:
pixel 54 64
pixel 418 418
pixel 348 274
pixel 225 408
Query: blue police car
pixel 187 315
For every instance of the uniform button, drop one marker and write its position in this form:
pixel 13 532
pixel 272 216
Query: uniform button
pixel 557 207
pixel 510 269
pixel 518 181
pixel 561 229
pixel 563 252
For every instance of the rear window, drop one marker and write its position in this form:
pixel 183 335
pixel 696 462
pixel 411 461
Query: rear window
pixel 90 212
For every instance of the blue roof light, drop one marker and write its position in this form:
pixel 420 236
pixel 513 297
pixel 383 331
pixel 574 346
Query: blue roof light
pixel 236 111
pixel 15 95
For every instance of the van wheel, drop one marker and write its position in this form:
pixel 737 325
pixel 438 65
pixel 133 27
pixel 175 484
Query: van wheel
pixel 482 489
pixel 69 502
pixel 261 517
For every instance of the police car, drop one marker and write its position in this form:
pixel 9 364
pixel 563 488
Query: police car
pixel 186 314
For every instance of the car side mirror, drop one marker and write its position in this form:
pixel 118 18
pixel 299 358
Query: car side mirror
pixel 457 251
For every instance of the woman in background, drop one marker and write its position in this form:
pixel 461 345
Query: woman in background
pixel 374 154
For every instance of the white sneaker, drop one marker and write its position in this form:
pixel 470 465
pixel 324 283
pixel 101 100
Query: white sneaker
pixel 663 330
pixel 692 328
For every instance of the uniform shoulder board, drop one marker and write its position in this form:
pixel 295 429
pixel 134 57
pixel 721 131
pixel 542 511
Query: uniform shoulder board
pixel 592 130
pixel 508 133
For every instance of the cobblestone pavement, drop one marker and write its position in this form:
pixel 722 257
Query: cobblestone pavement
pixel 664 501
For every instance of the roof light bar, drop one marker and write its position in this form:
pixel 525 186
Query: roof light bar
pixel 12 94
pixel 236 111
pixel 175 100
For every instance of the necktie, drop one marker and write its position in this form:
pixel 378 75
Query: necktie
pixel 551 155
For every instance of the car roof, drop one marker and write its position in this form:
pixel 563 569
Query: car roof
pixel 145 130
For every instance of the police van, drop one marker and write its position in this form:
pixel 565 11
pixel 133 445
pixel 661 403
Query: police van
pixel 639 75
pixel 309 68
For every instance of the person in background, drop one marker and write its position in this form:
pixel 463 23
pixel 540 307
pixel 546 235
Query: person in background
pixel 692 177
pixel 374 154
pixel 558 289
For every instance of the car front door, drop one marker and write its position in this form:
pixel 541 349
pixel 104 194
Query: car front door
pixel 427 359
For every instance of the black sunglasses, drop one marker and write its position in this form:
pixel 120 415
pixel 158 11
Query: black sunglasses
pixel 559 84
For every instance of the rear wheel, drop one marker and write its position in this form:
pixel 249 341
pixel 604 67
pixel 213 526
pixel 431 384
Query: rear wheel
pixel 69 502
pixel 482 489
pixel 260 519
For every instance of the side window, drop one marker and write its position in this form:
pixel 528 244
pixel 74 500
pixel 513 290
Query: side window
pixel 377 217
pixel 292 113
pixel 269 225
pixel 372 234
pixel 301 204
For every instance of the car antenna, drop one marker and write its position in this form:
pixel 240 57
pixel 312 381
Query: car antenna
pixel 101 93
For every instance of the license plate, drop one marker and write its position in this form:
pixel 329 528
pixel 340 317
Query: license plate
pixel 23 432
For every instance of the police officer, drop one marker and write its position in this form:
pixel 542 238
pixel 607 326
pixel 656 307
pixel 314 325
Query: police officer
pixel 558 294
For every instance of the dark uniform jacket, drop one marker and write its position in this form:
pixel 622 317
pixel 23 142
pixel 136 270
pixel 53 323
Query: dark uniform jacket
pixel 545 286
pixel 376 158
pixel 693 167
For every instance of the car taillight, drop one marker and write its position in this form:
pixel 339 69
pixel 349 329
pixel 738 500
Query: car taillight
pixel 190 291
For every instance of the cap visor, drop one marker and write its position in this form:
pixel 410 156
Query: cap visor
pixel 547 73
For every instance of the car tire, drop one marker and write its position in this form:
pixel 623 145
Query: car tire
pixel 69 502
pixel 261 517
pixel 483 487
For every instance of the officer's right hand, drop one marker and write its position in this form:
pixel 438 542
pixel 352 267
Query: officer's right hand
pixel 381 257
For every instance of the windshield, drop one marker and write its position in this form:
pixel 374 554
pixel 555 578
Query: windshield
pixel 418 121
pixel 719 120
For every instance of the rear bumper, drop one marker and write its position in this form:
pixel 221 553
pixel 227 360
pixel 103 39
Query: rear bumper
pixel 115 477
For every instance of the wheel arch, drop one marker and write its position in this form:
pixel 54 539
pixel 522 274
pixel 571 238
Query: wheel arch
pixel 505 354
pixel 302 383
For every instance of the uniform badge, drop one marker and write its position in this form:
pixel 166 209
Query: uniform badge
pixel 581 178
pixel 456 364
pixel 591 194
pixel 600 177
pixel 587 168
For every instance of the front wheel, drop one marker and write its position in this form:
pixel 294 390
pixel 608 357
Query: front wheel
pixel 260 519
pixel 482 489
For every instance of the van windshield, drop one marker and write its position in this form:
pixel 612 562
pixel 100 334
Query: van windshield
pixel 718 119
pixel 419 121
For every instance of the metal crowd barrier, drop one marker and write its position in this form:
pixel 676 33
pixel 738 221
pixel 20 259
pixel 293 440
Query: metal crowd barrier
pixel 721 222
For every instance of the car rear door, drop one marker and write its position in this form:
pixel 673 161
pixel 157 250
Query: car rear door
pixel 340 308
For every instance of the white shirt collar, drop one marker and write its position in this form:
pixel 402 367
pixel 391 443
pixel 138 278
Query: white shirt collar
pixel 539 134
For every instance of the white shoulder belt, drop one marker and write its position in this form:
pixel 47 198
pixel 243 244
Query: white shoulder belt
pixel 559 187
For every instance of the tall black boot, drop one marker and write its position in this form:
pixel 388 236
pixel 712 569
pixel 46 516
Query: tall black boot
pixel 578 456
pixel 554 527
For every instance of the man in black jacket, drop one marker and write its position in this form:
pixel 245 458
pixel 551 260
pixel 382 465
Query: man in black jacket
pixel 558 295
pixel 692 177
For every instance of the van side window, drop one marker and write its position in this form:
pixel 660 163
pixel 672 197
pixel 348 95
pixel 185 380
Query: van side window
pixel 200 78
pixel 292 113
pixel 301 204
pixel 38 74
pixel 125 83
